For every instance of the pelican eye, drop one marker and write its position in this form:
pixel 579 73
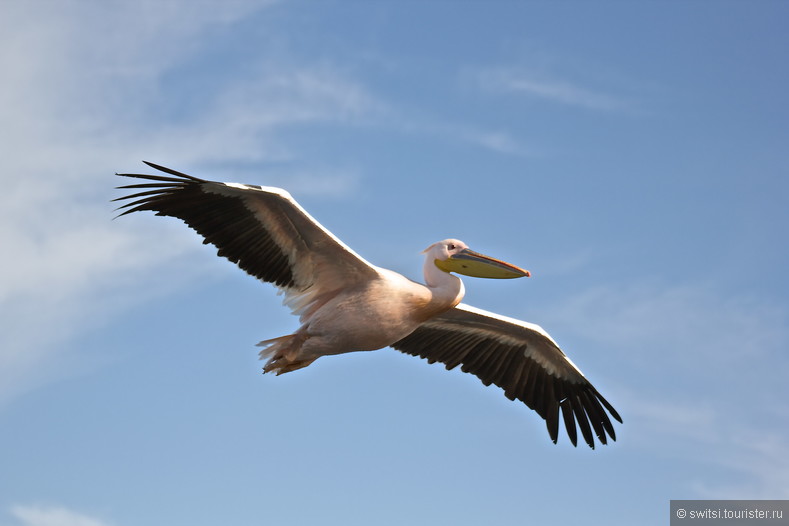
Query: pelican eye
pixel 451 246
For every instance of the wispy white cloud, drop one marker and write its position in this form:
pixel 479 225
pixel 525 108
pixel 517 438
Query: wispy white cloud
pixel 550 87
pixel 37 515
pixel 761 461
pixel 716 441
pixel 496 141
pixel 700 370
pixel 73 113
pixel 686 324
pixel 241 122
pixel 563 92
pixel 711 437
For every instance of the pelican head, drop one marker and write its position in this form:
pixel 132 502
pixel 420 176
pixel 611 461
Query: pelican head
pixel 453 255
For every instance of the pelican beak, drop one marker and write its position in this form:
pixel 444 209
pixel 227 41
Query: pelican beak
pixel 470 263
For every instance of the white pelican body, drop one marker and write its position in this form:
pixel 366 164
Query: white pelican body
pixel 371 315
pixel 366 316
pixel 346 304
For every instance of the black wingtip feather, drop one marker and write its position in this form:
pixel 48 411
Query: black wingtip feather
pixel 157 178
pixel 172 172
pixel 610 408
pixel 569 421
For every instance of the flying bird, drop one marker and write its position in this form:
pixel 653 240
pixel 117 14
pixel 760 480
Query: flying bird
pixel 346 304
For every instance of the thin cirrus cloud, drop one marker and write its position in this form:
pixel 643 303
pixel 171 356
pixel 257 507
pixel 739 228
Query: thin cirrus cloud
pixel 39 515
pixel 691 333
pixel 702 433
pixel 551 88
pixel 73 267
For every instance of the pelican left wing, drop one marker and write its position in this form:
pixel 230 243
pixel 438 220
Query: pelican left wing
pixel 522 359
pixel 261 229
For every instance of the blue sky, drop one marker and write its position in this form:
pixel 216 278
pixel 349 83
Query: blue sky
pixel 633 156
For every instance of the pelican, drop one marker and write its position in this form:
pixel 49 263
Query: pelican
pixel 346 304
